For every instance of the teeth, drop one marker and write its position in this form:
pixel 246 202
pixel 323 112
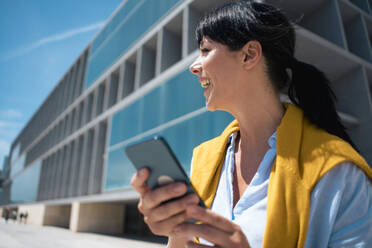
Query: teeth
pixel 205 83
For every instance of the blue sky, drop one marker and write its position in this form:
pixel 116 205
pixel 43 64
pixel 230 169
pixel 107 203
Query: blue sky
pixel 40 39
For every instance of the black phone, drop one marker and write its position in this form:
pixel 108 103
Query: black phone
pixel 156 155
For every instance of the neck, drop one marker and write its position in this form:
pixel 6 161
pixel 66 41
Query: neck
pixel 256 126
pixel 258 122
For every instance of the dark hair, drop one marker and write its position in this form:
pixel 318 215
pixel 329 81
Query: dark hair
pixel 238 22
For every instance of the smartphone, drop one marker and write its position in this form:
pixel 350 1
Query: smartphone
pixel 156 155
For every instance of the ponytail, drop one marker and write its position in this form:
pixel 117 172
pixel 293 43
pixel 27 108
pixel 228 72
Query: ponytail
pixel 310 90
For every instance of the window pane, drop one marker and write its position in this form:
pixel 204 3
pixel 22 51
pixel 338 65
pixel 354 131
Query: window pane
pixel 17 165
pixel 119 170
pixel 150 105
pixel 181 95
pixel 24 187
pixel 129 28
pixel 125 124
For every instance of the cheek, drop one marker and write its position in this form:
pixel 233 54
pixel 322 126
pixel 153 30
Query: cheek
pixel 215 69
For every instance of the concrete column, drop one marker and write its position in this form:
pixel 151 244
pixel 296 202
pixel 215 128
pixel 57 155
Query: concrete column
pixel 88 103
pixel 73 82
pixel 59 176
pixel 93 162
pixel 171 49
pixel 78 77
pixel 128 78
pixel 121 83
pixel 74 169
pixel 51 178
pixel 145 70
pixel 81 114
pixel 97 217
pixel 40 190
pixel 44 193
pixel 65 172
pixel 86 163
pixel 106 94
pixel 74 189
pixel 83 71
pixel 114 88
pixel 81 164
pixel 56 173
pixel 190 20
pixel 98 104
pixel 95 178
pixel 69 170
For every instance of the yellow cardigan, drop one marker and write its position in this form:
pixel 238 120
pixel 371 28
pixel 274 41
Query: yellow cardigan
pixel 305 153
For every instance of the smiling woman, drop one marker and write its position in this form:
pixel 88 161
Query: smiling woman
pixel 273 177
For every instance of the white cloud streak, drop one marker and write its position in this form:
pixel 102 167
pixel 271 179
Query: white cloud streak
pixel 51 39
pixel 11 114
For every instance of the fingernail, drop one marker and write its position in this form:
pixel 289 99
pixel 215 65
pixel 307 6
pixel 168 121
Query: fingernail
pixel 178 188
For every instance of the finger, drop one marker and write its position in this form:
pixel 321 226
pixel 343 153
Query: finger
pixel 171 208
pixel 192 244
pixel 166 227
pixel 204 231
pixel 155 197
pixel 138 181
pixel 206 216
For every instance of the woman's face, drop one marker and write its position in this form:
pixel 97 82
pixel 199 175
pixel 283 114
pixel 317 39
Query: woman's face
pixel 217 70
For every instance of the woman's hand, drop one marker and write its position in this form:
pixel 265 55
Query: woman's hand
pixel 214 228
pixel 162 217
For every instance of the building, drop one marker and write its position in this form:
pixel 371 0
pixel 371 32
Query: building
pixel 67 167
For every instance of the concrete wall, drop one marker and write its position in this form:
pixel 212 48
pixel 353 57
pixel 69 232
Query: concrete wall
pixel 57 215
pixel 35 213
pixel 97 217
pixel 40 214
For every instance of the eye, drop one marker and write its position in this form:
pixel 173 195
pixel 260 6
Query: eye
pixel 204 50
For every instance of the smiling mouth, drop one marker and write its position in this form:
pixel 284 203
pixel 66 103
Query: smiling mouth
pixel 205 83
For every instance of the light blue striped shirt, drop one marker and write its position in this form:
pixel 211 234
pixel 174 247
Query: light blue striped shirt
pixel 340 211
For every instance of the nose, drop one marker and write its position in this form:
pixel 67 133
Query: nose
pixel 196 67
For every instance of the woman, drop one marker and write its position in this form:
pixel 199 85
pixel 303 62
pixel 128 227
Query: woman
pixel 279 175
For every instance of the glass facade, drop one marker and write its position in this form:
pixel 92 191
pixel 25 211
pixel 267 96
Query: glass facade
pixel 173 99
pixel 129 24
pixel 178 96
pixel 5 167
pixel 15 154
pixel 182 138
pixel 25 185
pixel 17 165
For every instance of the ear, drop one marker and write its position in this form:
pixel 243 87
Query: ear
pixel 251 54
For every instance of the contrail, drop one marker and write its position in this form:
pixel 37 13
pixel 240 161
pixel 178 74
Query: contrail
pixel 54 38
